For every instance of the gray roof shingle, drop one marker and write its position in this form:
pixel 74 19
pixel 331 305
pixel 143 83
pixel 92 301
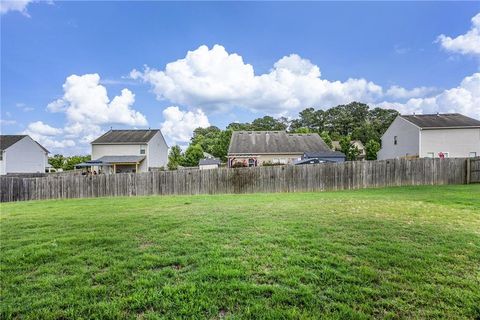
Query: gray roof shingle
pixel 208 161
pixel 275 142
pixel 126 136
pixel 438 121
pixel 7 140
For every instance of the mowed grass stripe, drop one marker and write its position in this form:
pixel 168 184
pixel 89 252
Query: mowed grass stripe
pixel 385 253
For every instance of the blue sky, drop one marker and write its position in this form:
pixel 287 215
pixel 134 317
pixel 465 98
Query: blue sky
pixel 272 58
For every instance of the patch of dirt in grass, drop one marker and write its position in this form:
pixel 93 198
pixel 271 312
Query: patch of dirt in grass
pixel 145 245
pixel 222 314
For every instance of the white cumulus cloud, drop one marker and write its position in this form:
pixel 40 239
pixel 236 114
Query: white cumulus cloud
pixel 14 5
pixel 214 79
pixel 398 92
pixel 465 99
pixel 87 109
pixel 178 125
pixel 86 105
pixel 48 136
pixel 43 129
pixel 468 43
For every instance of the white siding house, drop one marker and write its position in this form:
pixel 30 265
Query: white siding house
pixel 129 151
pixel 21 154
pixel 209 163
pixel 453 135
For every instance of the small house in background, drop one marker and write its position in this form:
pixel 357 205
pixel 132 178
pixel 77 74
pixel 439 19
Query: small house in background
pixel 257 148
pixel 209 163
pixel 22 154
pixel 119 151
pixel 431 136
pixel 356 143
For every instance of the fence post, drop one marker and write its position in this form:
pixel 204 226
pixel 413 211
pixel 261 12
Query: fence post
pixel 468 170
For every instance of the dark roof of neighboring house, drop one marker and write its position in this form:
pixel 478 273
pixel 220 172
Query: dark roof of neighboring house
pixel 329 154
pixel 275 142
pixel 119 159
pixel 7 141
pixel 441 121
pixel 208 161
pixel 126 136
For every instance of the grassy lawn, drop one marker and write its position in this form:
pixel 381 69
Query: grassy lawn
pixel 386 253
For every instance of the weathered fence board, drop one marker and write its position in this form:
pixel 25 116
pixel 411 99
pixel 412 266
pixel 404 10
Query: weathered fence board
pixel 473 170
pixel 318 177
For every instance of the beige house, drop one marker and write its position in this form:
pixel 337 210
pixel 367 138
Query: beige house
pixel 119 151
pixel 256 148
pixel 357 143
pixel 431 135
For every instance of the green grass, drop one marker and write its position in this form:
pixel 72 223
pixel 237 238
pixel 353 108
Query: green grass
pixel 383 253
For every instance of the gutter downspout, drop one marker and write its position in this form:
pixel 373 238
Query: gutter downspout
pixel 420 143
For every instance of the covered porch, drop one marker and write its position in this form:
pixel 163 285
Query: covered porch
pixel 114 164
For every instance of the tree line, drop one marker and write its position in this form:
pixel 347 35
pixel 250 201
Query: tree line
pixel 343 123
pixel 59 161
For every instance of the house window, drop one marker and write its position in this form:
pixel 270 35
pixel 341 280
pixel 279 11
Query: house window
pixel 395 140
pixel 142 150
pixel 472 154
pixel 1 155
pixel 251 162
pixel 430 155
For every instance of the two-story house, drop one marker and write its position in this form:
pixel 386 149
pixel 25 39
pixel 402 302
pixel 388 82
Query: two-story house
pixel 431 135
pixel 22 154
pixel 129 151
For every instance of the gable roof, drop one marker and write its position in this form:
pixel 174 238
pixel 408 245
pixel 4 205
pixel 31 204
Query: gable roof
pixel 7 140
pixel 271 142
pixel 442 121
pixel 208 161
pixel 125 136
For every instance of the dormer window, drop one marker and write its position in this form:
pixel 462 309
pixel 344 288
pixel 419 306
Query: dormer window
pixel 142 150
pixel 395 140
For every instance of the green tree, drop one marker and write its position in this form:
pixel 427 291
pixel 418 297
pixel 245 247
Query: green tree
pixel 57 161
pixel 72 161
pixel 193 154
pixel 220 148
pixel 371 149
pixel 301 130
pixel 365 133
pixel 237 126
pixel 351 152
pixel 309 118
pixel 343 119
pixel 175 157
pixel 269 123
pixel 381 119
pixel 326 138
pixel 207 138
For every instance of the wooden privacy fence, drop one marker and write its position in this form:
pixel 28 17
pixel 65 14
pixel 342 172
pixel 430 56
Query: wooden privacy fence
pixel 318 177
pixel 473 170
